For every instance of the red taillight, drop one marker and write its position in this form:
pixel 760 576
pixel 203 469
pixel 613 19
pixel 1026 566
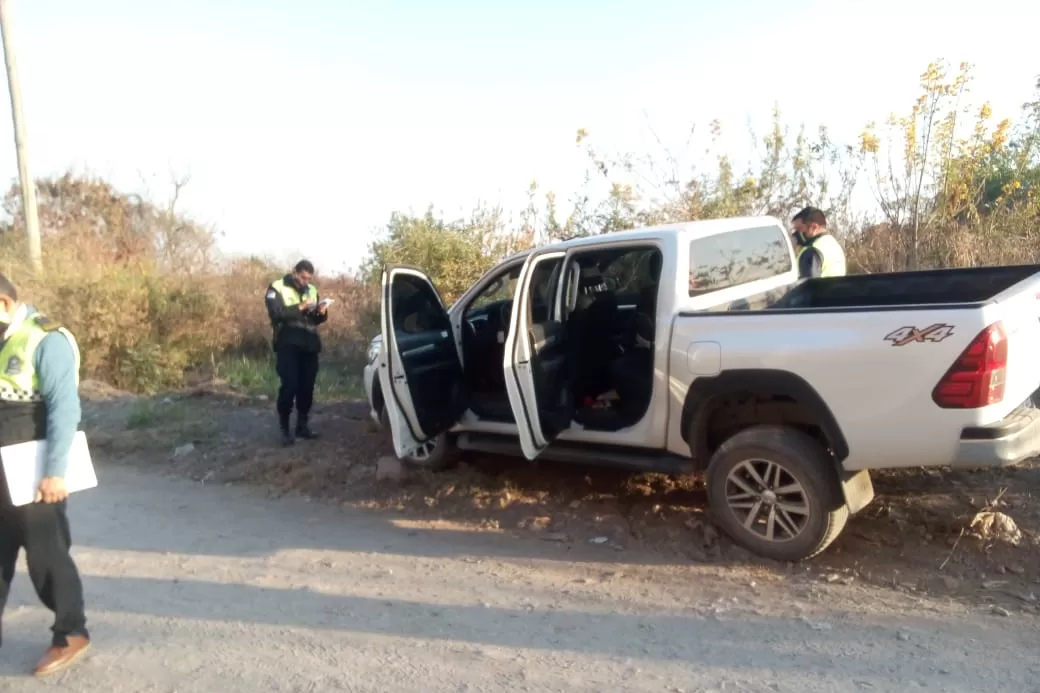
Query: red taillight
pixel 976 379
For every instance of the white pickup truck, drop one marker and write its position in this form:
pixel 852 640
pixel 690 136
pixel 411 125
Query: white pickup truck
pixel 695 347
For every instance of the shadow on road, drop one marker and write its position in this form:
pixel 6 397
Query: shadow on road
pixel 773 648
pixel 894 544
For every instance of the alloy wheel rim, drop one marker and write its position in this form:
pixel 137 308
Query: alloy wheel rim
pixel 767 500
pixel 424 451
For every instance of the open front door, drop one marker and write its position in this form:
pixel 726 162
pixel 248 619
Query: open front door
pixel 420 371
pixel 535 356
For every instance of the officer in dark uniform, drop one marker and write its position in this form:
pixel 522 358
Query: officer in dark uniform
pixel 295 312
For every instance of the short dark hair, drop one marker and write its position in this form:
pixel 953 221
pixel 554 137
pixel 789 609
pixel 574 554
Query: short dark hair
pixel 811 215
pixel 304 266
pixel 7 288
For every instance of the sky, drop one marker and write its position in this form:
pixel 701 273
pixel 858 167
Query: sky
pixel 303 125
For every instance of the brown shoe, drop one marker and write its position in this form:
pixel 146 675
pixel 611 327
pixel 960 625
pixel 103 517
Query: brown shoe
pixel 59 658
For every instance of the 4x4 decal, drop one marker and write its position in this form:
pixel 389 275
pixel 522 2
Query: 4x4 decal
pixel 907 335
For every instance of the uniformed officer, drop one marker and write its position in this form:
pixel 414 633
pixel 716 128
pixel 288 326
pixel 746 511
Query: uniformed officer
pixel 295 312
pixel 819 253
pixel 39 400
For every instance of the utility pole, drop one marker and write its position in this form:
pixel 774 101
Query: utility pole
pixel 32 220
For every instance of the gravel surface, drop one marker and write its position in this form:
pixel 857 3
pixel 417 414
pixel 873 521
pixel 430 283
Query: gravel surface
pixel 194 587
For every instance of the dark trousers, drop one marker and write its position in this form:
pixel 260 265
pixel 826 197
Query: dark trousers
pixel 42 529
pixel 297 369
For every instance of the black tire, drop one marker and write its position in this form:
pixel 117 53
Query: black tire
pixel 442 454
pixel 803 461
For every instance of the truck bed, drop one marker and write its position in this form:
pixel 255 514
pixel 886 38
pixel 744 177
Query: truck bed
pixel 949 287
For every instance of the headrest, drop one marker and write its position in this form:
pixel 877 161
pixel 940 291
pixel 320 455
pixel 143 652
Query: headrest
pixel 590 276
pixel 592 281
pixel 655 264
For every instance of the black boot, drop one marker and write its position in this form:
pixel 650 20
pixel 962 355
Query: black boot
pixel 302 429
pixel 283 424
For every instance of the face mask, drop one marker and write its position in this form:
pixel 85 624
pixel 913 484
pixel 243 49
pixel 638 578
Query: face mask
pixel 799 238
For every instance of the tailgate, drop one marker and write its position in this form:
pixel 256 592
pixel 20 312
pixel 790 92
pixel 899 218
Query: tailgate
pixel 1018 308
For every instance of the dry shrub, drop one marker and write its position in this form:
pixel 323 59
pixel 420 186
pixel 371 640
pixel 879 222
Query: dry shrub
pixel 146 294
pixel 243 287
pixel 345 336
pixel 142 330
pixel 137 329
pixel 354 318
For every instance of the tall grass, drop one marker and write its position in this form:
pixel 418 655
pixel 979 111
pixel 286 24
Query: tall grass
pixel 336 379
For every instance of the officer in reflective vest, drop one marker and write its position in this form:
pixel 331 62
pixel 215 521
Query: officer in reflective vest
pixel 295 312
pixel 819 253
pixel 39 401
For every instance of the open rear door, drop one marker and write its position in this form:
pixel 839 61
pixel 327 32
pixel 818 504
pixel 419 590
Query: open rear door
pixel 535 357
pixel 420 371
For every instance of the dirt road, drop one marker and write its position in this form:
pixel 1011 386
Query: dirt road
pixel 211 588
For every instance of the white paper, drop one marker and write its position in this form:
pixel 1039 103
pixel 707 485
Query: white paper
pixel 24 465
pixel 326 302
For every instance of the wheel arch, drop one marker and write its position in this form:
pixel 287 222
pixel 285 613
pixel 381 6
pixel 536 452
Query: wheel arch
pixel 788 398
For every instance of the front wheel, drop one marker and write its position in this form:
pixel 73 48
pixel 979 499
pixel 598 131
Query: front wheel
pixel 436 454
pixel 775 491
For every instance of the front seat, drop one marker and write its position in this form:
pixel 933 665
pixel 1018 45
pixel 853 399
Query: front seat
pixel 590 328
pixel 643 322
pixel 646 303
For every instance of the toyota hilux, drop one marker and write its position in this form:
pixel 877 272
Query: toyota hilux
pixel 696 347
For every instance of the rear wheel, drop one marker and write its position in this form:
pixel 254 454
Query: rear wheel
pixel 775 491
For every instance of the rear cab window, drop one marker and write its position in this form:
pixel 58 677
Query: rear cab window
pixel 736 258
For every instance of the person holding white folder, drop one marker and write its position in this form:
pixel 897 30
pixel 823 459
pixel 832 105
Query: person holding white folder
pixel 39 403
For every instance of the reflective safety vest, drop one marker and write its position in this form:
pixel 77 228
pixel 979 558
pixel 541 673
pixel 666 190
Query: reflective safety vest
pixel 291 297
pixel 23 411
pixel 832 256
pixel 18 379
pixel 293 326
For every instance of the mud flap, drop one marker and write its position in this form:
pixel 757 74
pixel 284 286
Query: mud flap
pixel 858 489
